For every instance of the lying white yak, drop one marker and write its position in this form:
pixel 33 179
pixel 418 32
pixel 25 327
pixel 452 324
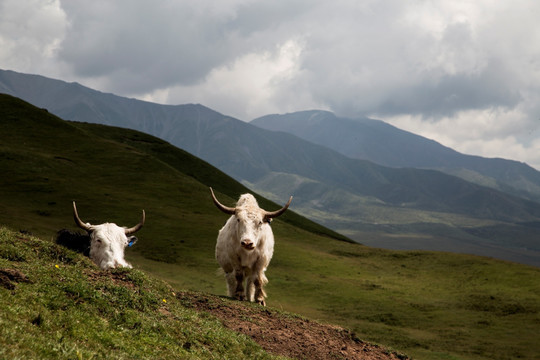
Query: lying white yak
pixel 108 241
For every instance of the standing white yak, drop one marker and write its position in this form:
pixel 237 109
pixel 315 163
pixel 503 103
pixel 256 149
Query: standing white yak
pixel 245 246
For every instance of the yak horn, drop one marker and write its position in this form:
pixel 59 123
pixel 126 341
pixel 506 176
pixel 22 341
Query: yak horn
pixel 79 222
pixel 137 227
pixel 273 214
pixel 220 206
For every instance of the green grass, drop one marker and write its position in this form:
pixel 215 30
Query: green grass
pixel 65 308
pixel 428 305
pixel 422 303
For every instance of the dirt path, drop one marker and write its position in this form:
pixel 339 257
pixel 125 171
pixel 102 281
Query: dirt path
pixel 286 334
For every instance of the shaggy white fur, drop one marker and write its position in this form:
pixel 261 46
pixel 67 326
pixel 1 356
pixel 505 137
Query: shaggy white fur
pixel 108 241
pixel 244 248
pixel 107 244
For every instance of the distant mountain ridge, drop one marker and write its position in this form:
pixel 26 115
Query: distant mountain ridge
pixel 384 144
pixel 249 153
pixel 348 195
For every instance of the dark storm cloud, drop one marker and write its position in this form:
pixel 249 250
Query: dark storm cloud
pixel 140 46
pixel 450 94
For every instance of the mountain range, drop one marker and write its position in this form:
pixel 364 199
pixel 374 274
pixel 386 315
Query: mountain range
pixel 384 144
pixel 364 178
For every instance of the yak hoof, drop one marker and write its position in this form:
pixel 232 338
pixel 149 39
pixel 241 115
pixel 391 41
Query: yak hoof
pixel 261 302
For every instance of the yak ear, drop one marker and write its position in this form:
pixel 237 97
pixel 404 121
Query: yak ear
pixel 132 241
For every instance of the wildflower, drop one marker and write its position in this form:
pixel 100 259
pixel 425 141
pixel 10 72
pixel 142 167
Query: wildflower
pixel 56 266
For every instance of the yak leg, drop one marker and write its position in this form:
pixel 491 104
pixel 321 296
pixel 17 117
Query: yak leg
pixel 250 286
pixel 250 289
pixel 259 280
pixel 235 286
pixel 238 285
pixel 260 294
pixel 231 283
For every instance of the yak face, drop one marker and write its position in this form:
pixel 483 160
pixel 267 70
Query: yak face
pixel 252 221
pixel 108 241
pixel 107 244
pixel 249 228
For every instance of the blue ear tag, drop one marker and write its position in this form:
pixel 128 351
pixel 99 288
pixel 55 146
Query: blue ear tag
pixel 269 220
pixel 132 241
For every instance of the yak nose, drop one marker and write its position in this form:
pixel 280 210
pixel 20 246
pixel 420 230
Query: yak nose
pixel 247 244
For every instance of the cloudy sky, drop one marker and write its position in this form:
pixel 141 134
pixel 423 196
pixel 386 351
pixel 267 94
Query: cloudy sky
pixel 464 73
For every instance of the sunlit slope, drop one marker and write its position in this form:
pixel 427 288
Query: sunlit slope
pixel 57 305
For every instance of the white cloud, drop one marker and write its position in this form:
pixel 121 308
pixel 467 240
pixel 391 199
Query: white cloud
pixel 30 35
pixel 249 86
pixel 508 134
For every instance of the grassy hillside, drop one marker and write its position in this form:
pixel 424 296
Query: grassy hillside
pixel 428 305
pixel 57 305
